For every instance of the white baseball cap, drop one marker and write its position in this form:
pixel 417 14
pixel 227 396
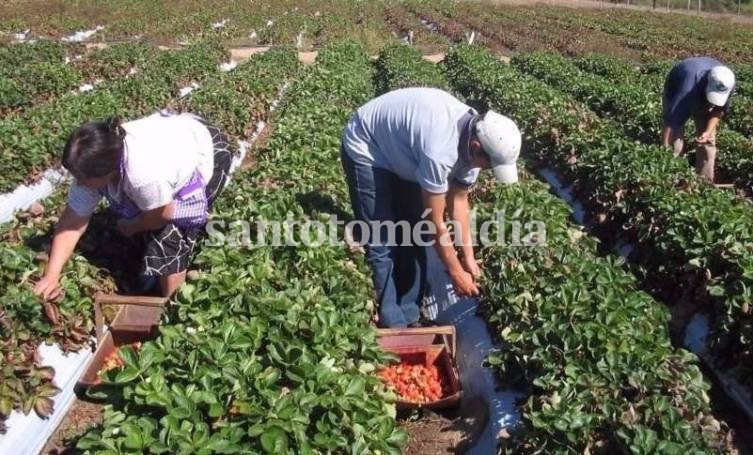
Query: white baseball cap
pixel 721 81
pixel 501 140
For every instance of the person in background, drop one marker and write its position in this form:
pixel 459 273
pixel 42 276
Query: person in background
pixel 412 150
pixel 701 88
pixel 160 175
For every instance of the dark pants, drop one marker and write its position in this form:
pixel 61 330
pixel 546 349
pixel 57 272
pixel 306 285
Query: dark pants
pixel 170 250
pixel 399 271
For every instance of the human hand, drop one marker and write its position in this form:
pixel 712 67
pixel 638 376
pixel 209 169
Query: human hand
pixel 470 265
pixel 464 284
pixel 704 138
pixel 48 288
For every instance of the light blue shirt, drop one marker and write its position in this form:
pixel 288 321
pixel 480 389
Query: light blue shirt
pixel 414 133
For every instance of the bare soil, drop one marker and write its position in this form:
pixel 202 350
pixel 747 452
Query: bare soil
pixel 82 416
pixel 431 435
pixel 259 144
pixel 453 431
pixel 308 58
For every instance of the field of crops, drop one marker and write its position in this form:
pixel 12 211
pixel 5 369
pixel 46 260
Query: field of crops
pixel 271 349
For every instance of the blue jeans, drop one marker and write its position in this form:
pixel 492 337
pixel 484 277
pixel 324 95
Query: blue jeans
pixel 399 272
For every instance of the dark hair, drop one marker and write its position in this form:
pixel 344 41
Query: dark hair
pixel 94 149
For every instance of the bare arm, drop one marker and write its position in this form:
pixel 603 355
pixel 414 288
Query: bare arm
pixel 148 221
pixel 458 208
pixel 711 127
pixel 461 280
pixel 68 232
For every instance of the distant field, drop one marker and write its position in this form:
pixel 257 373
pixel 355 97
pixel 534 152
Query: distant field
pixel 509 25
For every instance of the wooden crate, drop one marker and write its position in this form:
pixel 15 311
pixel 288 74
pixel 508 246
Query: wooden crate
pixel 137 319
pixel 427 346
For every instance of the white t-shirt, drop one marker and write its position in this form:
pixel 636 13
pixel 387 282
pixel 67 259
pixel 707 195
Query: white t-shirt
pixel 161 154
pixel 414 133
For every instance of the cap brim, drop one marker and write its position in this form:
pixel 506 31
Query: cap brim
pixel 506 173
pixel 717 98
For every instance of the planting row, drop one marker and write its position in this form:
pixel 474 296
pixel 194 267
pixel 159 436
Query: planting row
pixel 287 22
pixel 636 106
pixel 13 57
pixel 271 349
pixel 38 82
pixel 392 70
pixel 314 24
pixel 407 25
pixel 255 84
pixel 565 314
pixel 30 143
pixel 689 237
pixel 662 36
pixel 581 31
pixel 651 79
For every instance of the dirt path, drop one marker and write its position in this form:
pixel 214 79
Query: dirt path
pixel 453 431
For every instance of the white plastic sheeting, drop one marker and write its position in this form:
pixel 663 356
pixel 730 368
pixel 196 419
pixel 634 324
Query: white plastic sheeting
pixel 82 35
pixel 698 329
pixel 430 26
pixel 228 66
pixel 696 340
pixel 25 195
pixel 243 146
pixel 27 434
pixel 220 24
pixel 188 89
pixel 22 36
pixel 474 343
pixel 697 334
pixel 75 57
pixel 564 192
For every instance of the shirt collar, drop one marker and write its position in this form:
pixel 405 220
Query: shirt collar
pixel 466 124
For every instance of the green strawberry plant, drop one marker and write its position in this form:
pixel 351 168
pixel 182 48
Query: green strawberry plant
pixel 14 56
pixel 689 237
pixel 25 321
pixel 392 70
pixel 636 104
pixel 31 142
pixel 239 99
pixel 270 351
pixel 575 331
